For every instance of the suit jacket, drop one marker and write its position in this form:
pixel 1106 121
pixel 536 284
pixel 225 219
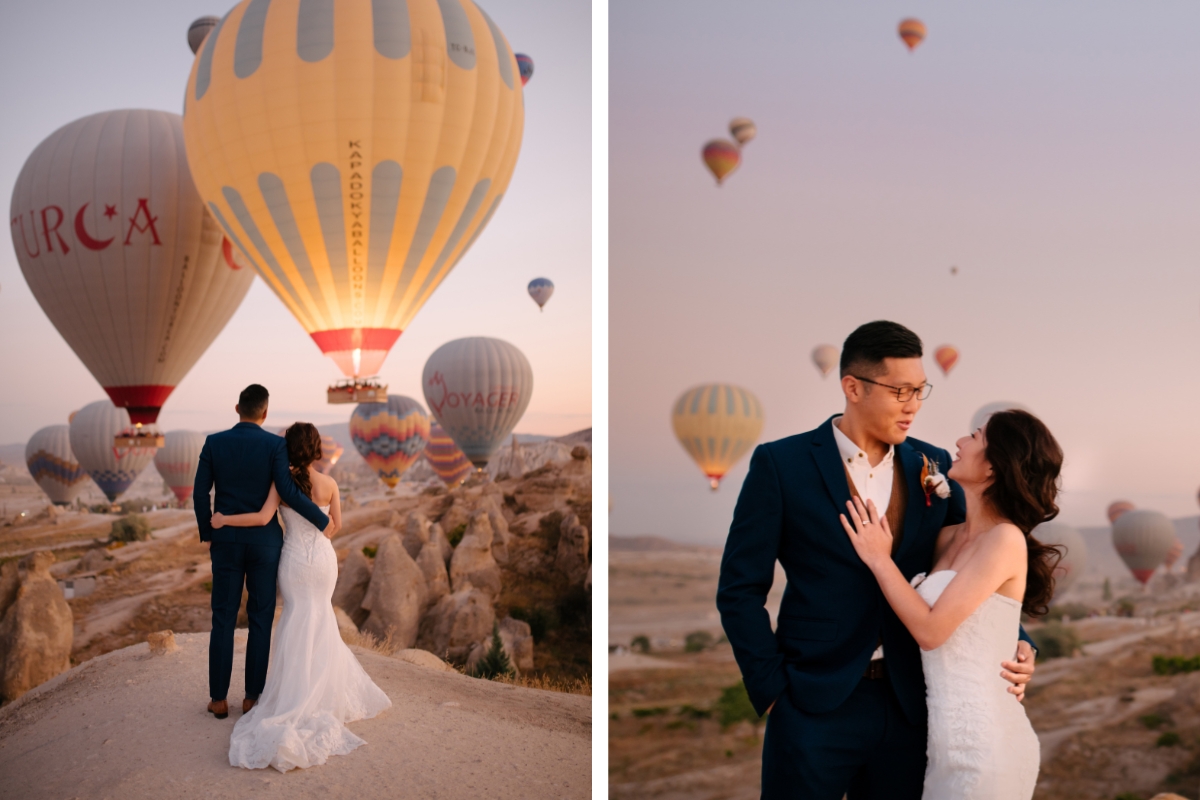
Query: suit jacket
pixel 243 462
pixel 833 612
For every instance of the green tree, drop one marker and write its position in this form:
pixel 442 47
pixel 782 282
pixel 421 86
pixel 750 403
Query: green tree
pixel 495 662
pixel 133 528
pixel 640 644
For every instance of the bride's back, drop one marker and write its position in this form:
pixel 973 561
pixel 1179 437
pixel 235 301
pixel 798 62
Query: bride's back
pixel 323 487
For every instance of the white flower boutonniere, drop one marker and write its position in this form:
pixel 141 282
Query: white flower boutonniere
pixel 933 481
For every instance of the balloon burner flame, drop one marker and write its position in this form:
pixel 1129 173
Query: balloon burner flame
pixel 357 357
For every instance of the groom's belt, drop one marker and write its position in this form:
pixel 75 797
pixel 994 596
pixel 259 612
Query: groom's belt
pixel 874 670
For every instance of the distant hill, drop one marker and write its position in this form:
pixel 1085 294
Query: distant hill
pixel 653 544
pixel 13 455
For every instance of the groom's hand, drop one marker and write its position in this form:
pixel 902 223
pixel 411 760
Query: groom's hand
pixel 1019 672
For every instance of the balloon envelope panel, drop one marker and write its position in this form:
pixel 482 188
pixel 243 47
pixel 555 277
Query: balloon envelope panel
pixel 448 462
pixel 53 466
pixel 390 436
pixel 717 424
pixel 178 459
pixel 92 432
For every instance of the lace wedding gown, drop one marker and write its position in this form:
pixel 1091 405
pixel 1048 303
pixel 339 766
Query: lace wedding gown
pixel 981 745
pixel 314 683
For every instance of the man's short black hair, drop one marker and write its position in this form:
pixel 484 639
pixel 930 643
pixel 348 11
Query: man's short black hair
pixel 252 402
pixel 869 344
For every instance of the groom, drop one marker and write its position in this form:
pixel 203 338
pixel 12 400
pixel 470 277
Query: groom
pixel 243 462
pixel 841 676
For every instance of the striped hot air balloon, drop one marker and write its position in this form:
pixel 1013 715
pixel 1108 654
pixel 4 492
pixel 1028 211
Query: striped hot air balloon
pixel 717 424
pixel 912 32
pixel 721 157
pixel 1117 508
pixel 354 151
pixel 331 451
pixel 1143 538
pixel 53 466
pixel 114 469
pixel 177 461
pixel 525 65
pixel 742 130
pixel 540 289
pixel 448 462
pixel 390 436
pixel 946 357
pixel 1074 560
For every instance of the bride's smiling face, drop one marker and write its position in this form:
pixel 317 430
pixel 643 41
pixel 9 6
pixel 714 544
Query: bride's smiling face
pixel 970 462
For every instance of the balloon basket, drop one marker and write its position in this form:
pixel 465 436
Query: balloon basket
pixel 357 390
pixel 138 440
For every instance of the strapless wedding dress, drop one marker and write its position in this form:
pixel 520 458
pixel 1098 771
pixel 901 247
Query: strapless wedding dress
pixel 981 745
pixel 314 683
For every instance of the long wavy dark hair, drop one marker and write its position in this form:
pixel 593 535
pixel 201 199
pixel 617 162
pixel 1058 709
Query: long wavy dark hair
pixel 1026 467
pixel 304 448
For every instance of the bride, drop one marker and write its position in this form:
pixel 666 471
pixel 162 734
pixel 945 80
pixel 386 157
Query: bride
pixel 314 683
pixel 965 613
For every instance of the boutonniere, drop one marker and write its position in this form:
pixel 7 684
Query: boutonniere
pixel 933 481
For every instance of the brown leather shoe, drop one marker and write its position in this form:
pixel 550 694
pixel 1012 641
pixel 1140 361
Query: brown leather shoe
pixel 248 704
pixel 219 708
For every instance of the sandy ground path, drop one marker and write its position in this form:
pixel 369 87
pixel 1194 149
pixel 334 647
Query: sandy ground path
pixel 130 724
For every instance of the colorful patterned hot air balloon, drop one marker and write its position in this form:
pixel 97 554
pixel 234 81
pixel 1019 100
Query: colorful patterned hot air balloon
pixel 742 130
pixel 114 469
pixel 354 151
pixel 1142 539
pixel 177 461
pixel 981 416
pixel 912 31
pixel 331 453
pixel 525 65
pixel 540 289
pixel 1117 508
pixel 717 424
pixel 117 248
pixel 825 356
pixel 53 466
pixel 1074 559
pixel 390 436
pixel 477 389
pixel 721 157
pixel 448 462
pixel 946 357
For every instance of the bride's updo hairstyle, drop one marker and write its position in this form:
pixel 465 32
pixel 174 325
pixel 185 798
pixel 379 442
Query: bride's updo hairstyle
pixel 304 448
pixel 1026 464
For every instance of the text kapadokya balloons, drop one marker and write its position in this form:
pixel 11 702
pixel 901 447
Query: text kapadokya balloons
pixel 477 389
pixel 525 66
pixel 117 248
pixel 114 469
pixel 721 158
pixel 912 32
pixel 390 436
pixel 354 151
pixel 717 424
pixel 742 130
pixel 53 466
pixel 540 289
pixel 448 462
pixel 981 416
pixel 1074 560
pixel 825 356
pixel 1142 539
pixel 1117 508
pixel 177 461
pixel 946 357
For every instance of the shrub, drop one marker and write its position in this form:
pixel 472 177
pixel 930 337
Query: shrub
pixel 1168 739
pixel 734 705
pixel 1072 610
pixel 133 528
pixel 455 536
pixel 1125 607
pixel 640 644
pixel 495 662
pixel 1173 665
pixel 207 586
pixel 1151 721
pixel 1055 640
pixel 1106 592
pixel 656 711
pixel 695 713
pixel 697 641
pixel 369 551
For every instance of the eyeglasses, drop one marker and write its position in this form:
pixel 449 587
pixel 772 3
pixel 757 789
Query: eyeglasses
pixel 903 394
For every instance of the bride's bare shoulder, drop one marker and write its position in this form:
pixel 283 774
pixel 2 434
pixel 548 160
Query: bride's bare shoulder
pixel 324 487
pixel 1005 537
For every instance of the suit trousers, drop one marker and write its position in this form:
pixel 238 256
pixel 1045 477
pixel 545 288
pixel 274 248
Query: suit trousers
pixel 865 748
pixel 256 566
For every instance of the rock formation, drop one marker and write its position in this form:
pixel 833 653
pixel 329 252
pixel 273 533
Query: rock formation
pixel 456 623
pixel 351 588
pixel 493 505
pixel 396 595
pixel 162 642
pixel 438 534
pixel 572 557
pixel 416 533
pixel 516 640
pixel 437 580
pixel 423 658
pixel 36 625
pixel 472 561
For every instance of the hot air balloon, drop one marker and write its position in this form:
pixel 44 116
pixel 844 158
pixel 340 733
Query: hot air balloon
pixel 946 357
pixel 353 152
pixel 742 130
pixel 177 461
pixel 53 466
pixel 541 289
pixel 981 416
pixel 1142 539
pixel 525 66
pixel 721 157
pixel 331 453
pixel 92 432
pixel 912 31
pixel 1117 508
pixel 198 30
pixel 443 455
pixel 390 436
pixel 1074 559
pixel 117 248
pixel 717 424
pixel 825 356
pixel 477 389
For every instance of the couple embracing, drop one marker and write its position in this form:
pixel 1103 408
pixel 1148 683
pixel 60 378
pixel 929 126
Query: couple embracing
pixel 898 663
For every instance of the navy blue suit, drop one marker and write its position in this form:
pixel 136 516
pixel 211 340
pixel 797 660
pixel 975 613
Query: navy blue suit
pixel 243 462
pixel 831 731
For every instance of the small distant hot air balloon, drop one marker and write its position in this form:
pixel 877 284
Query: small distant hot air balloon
pixel 200 29
pixel 954 270
pixel 331 451
pixel 177 461
pixel 1074 560
pixel 1117 508
pixel 717 424
pixel 721 157
pixel 1143 538
pixel 525 66
pixel 114 469
pixel 946 357
pixel 981 416
pixel 1173 554
pixel 825 356
pixel 912 31
pixel 742 130
pixel 390 436
pixel 540 289
pixel 53 466
pixel 448 462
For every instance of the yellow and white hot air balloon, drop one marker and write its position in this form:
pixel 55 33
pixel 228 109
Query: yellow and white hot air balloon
pixel 717 424
pixel 354 151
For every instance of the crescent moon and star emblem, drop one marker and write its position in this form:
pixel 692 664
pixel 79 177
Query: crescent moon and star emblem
pixel 84 237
